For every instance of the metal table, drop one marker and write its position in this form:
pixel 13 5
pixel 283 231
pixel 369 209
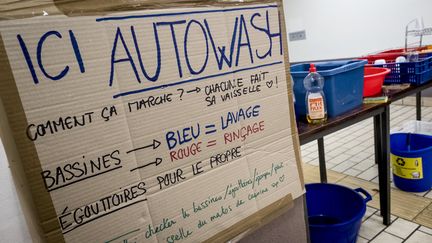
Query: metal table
pixel 381 117
pixel 379 112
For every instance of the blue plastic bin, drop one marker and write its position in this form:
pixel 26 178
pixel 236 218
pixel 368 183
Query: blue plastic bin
pixel 407 72
pixel 335 212
pixel 411 156
pixel 343 85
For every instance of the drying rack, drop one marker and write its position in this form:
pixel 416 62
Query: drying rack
pixel 417 31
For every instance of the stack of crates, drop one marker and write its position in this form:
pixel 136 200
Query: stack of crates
pixel 406 72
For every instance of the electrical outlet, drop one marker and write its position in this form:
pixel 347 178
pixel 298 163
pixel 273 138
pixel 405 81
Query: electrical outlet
pixel 298 35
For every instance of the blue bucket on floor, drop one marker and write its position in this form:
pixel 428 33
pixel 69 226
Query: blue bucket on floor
pixel 411 157
pixel 335 212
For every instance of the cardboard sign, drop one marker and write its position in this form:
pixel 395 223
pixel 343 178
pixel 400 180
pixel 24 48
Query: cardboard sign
pixel 167 125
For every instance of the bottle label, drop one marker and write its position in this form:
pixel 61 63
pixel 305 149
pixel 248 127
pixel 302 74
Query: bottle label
pixel 316 106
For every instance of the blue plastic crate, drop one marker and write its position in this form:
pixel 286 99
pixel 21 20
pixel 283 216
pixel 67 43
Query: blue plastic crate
pixel 419 78
pixel 343 85
pixel 409 72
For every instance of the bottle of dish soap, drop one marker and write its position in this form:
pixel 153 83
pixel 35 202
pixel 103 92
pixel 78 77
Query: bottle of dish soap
pixel 315 99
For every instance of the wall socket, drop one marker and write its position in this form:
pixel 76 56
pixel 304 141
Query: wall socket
pixel 298 35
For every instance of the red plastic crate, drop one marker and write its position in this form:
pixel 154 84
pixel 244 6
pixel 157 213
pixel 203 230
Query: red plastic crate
pixel 389 55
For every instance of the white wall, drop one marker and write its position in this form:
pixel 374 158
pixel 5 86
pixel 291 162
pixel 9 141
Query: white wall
pixel 13 227
pixel 350 28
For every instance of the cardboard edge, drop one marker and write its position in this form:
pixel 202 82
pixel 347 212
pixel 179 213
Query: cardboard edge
pixel 8 90
pixel 254 221
pixel 94 7
pixel 276 209
pixel 294 131
pixel 242 227
pixel 73 8
pixel 19 178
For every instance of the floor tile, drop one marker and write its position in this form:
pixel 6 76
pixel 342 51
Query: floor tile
pixel 404 204
pixel 311 174
pixel 358 134
pixel 354 183
pixel 365 164
pixel 309 145
pixel 429 195
pixel 340 159
pixel 398 102
pixel 305 159
pixel 420 194
pixel 353 142
pixel 401 228
pixel 425 230
pixel 369 212
pixel 370 149
pixel 335 151
pixel 369 174
pixel 352 172
pixel 392 217
pixel 304 152
pixel 371 227
pixel 361 240
pixel 330 139
pixel 356 159
pixel 425 217
pixel 419 237
pixel 427 101
pixel 330 165
pixel 313 155
pixel 354 150
pixel 314 162
pixel 328 157
pixel 343 166
pixel 386 238
pixel 410 100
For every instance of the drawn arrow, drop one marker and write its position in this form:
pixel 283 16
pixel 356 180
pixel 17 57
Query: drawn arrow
pixel 155 145
pixel 197 89
pixel 156 163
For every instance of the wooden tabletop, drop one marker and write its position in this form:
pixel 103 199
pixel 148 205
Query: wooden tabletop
pixel 309 132
pixel 395 95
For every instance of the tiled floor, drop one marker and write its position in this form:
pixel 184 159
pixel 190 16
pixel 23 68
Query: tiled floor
pixel 350 160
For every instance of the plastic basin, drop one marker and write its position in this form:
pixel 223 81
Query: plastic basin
pixel 343 85
pixel 335 212
pixel 374 80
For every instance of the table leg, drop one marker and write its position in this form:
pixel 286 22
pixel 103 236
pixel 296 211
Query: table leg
pixel 321 158
pixel 418 106
pixel 384 167
pixel 377 138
